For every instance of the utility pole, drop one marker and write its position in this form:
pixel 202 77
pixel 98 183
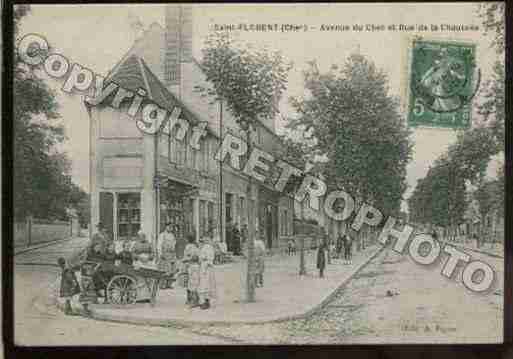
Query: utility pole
pixel 221 173
pixel 250 277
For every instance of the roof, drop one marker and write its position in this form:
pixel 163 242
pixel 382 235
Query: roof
pixel 133 73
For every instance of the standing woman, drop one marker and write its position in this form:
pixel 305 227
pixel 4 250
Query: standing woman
pixel 207 284
pixel 166 255
pixel 190 271
pixel 321 258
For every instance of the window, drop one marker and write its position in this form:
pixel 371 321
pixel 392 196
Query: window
pixel 210 215
pixel 129 215
pixel 243 214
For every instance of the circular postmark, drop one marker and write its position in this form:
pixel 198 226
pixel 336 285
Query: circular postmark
pixel 444 76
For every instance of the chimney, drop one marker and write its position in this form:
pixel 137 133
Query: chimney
pixel 178 43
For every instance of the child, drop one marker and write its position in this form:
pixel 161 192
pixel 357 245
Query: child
pixel 125 256
pixel 193 275
pixel 292 246
pixel 69 285
pixel 110 254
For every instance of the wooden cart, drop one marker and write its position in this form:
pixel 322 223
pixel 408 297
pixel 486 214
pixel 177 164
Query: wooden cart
pixel 122 283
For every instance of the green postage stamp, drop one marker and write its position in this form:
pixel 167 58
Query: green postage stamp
pixel 442 83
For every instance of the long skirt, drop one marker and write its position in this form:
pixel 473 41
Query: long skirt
pixel 193 277
pixel 259 265
pixel 207 281
pixel 167 264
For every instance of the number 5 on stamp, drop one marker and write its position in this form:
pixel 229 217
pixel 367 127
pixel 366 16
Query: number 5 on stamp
pixel 442 83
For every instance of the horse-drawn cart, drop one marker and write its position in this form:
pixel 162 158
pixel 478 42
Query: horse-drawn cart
pixel 122 284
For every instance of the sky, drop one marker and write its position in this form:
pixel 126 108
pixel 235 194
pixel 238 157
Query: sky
pixel 96 36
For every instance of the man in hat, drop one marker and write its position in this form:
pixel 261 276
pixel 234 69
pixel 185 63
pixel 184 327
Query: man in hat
pixel 100 239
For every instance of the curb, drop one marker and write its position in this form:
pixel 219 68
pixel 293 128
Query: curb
pixel 186 323
pixel 473 249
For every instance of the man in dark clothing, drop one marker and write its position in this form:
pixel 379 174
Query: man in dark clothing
pixel 100 237
pixel 340 245
pixel 321 258
pixel 236 240
pixel 348 245
pixel 229 235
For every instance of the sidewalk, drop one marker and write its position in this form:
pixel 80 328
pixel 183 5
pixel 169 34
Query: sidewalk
pixel 285 294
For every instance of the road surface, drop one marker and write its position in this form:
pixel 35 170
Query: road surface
pixel 38 322
pixel 421 307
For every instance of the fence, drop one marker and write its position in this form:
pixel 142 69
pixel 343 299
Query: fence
pixel 34 231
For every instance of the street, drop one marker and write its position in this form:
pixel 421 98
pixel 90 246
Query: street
pixel 38 322
pixel 424 308
pixel 416 309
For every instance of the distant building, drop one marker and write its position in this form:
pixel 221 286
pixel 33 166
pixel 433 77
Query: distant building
pixel 124 161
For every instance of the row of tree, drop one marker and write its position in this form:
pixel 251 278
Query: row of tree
pixel 442 198
pixel 42 182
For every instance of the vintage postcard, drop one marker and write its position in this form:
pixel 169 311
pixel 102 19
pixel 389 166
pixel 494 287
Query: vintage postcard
pixel 258 173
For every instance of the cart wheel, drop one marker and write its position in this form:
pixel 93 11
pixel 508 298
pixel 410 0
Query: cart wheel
pixel 122 289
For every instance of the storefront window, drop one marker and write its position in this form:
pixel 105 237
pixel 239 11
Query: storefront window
pixel 129 215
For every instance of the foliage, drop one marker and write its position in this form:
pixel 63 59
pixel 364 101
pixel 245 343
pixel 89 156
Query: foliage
pixel 493 93
pixel 42 185
pixel 488 196
pixel 472 152
pixel 440 197
pixel 251 81
pixel 356 125
pixel 493 15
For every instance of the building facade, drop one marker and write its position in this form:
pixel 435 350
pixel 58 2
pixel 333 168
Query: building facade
pixel 196 192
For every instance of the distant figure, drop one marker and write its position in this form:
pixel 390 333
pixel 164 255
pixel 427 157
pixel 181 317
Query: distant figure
pixel 236 240
pixel 348 246
pixel 229 237
pixel 69 285
pixel 259 262
pixel 475 237
pixel 321 258
pixel 339 245
pixel 291 244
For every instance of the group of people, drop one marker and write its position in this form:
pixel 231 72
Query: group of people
pixel 344 244
pixel 196 266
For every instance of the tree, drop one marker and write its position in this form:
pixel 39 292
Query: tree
pixel 439 198
pixel 249 81
pixel 492 108
pixel 42 184
pixel 493 16
pixel 356 125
